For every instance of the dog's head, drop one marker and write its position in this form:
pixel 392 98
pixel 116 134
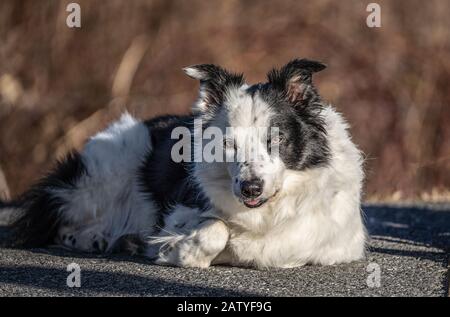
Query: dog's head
pixel 267 128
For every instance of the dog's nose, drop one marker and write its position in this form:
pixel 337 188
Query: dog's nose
pixel 252 188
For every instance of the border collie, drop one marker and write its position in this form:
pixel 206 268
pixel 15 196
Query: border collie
pixel 125 190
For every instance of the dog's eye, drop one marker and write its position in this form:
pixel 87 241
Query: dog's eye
pixel 276 139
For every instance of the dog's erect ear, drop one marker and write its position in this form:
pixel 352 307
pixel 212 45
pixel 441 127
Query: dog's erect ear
pixel 214 82
pixel 295 80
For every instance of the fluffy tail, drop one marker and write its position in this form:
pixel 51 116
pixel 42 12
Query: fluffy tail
pixel 25 224
pixel 7 210
pixel 36 215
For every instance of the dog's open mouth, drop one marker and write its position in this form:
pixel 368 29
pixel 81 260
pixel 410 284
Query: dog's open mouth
pixel 257 202
pixel 254 203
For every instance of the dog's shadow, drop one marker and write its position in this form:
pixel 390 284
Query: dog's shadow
pixel 410 225
pixel 106 281
pixel 53 280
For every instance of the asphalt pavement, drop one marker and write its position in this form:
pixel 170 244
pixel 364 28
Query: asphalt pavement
pixel 408 256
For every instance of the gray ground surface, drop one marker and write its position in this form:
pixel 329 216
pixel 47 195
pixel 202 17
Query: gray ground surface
pixel 410 245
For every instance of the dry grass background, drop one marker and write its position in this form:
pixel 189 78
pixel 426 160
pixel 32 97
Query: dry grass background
pixel 59 85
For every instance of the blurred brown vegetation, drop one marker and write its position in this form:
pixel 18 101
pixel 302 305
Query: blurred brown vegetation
pixel 60 85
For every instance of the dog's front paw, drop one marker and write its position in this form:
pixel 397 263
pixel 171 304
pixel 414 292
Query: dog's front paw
pixel 186 253
pixel 196 249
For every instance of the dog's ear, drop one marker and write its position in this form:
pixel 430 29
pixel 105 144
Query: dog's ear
pixel 214 83
pixel 294 80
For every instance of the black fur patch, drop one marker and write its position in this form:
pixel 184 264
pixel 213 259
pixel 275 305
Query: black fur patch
pixel 38 220
pixel 8 205
pixel 300 124
pixel 165 181
pixel 214 83
pixel 130 244
pixel 294 76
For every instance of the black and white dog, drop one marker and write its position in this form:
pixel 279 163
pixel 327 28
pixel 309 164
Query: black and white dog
pixel 126 190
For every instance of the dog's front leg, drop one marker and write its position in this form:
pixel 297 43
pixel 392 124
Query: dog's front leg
pixel 197 248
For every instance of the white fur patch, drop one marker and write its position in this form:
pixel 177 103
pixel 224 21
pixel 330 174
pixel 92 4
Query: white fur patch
pixel 107 202
pixel 188 239
pixel 194 73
